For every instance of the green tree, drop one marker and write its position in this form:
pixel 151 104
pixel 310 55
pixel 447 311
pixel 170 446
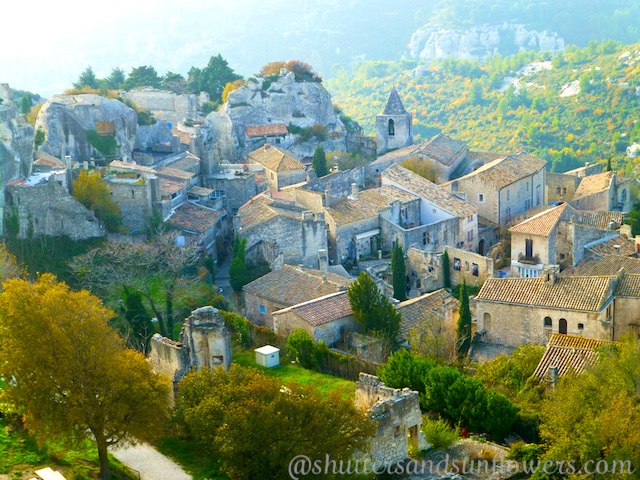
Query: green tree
pixel 238 271
pixel 633 219
pixel 475 93
pixel 87 79
pixel 250 422
pixel 371 309
pixel 399 272
pixel 464 323
pixel 116 79
pixel 174 82
pixel 608 169
pixel 139 329
pixel 509 374
pixel 143 76
pixel 71 376
pixel 319 162
pixel 92 191
pixel 25 104
pixel 446 272
pixel 422 166
pixel 404 369
pixel 212 78
pixel 300 345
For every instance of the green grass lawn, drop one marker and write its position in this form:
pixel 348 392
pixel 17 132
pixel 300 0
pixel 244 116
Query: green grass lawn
pixel 291 372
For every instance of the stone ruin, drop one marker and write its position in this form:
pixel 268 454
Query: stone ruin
pixel 398 415
pixel 204 342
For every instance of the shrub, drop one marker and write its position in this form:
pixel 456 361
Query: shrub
pixel 525 452
pixel 438 433
pixel 301 346
pixel 104 145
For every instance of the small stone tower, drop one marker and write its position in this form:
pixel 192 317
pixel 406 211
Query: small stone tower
pixel 393 126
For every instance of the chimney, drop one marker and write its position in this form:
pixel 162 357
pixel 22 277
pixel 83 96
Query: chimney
pixel 323 260
pixel 266 147
pixel 326 201
pixel 612 226
pixel 551 274
pixel 236 223
pixel 552 377
pixel 354 191
pixel 617 247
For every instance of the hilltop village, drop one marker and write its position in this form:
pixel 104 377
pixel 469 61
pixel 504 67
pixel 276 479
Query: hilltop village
pixel 286 205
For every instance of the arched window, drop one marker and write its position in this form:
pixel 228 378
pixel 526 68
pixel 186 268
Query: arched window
pixel 623 196
pixel 487 321
pixel 562 326
pixel 392 127
pixel 548 323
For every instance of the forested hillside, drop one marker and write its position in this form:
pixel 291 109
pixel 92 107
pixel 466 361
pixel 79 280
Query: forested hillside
pixel 581 105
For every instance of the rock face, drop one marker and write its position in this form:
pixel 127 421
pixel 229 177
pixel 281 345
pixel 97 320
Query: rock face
pixel 283 100
pixel 478 43
pixel 65 120
pixel 166 105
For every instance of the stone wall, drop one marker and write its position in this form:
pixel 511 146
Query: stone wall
pixel 402 136
pixel 469 263
pixel 397 413
pixel 561 187
pixel 48 209
pixel 168 357
pixel 330 333
pixel 339 183
pixel 627 317
pixel 165 105
pixel 279 180
pixel 341 236
pixel 252 310
pixel 137 201
pixel 432 237
pixel 237 189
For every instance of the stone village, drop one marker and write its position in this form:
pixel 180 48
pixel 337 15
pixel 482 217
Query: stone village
pixel 550 254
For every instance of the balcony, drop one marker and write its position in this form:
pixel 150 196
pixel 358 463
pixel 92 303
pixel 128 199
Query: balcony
pixel 534 260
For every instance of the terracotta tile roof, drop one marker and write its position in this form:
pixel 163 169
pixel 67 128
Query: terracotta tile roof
pixel 275 159
pixel 439 148
pixel 184 137
pixel 541 224
pixel 367 204
pixel 614 245
pixel 427 306
pixel 571 354
pixel 414 183
pixel 169 172
pixel 483 157
pixel 266 130
pixel 609 265
pixel 292 285
pixel 507 170
pixel 593 184
pixel 169 187
pixel 195 218
pixel 262 208
pixel 599 219
pixel 200 191
pixel 47 160
pixel 185 163
pixel 567 293
pixel 394 104
pixel 628 286
pixel 130 167
pixel 323 310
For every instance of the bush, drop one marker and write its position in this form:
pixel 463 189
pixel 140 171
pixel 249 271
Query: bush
pixel 525 452
pixel 302 348
pixel 438 433
pixel 104 145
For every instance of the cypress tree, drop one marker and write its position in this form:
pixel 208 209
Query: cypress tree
pixel 464 323
pixel 399 273
pixel 319 162
pixel 445 270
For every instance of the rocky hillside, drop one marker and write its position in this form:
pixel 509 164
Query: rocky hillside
pixel 16 140
pixel 305 106
pixel 70 122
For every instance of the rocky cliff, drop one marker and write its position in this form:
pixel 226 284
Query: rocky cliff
pixel 16 139
pixel 66 119
pixel 477 43
pixel 271 100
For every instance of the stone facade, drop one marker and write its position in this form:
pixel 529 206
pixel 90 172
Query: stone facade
pixel 204 342
pixel 394 125
pixel 259 309
pixel 48 209
pixel 474 268
pixel 138 200
pixel 397 413
pixel 561 187
pixel 236 190
pixel 163 104
pixel 603 192
pixel 330 333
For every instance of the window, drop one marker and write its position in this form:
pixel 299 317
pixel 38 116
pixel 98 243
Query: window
pixel 466 266
pixel 527 204
pixel 470 218
pixel 474 269
pixel 481 197
pixel 435 211
pixel 392 128
pixel 562 256
pixel 581 326
pixel 273 176
pixel 133 194
pixel 548 323
pixel 424 238
pixel 397 431
pixel 470 235
pixel 508 214
pixel 263 309
pixel 562 326
pixel 456 264
pixel 277 141
pixel 559 191
pixel 528 248
pixel 527 187
pixel 564 190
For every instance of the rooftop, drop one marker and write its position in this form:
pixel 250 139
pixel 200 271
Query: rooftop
pixel 440 148
pixel 266 130
pixel 541 224
pixel 275 159
pixel 131 167
pixel 169 187
pixel 414 183
pixel 184 162
pixel 46 160
pixel 600 219
pixel 394 104
pixel 195 218
pixel 262 208
pixel 292 285
pixel 609 265
pixel 628 285
pixel 593 184
pixel 200 191
pixel 566 293
pixel 507 170
pixel 322 310
pixel 367 204
pixel 184 137
pixel 613 245
pixel 175 173
pixel 570 354
pixel 416 310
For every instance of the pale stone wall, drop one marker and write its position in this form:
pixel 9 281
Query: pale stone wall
pixel 627 317
pixel 544 248
pixel 403 135
pixel 136 200
pixel 561 187
pixel 598 201
pixel 165 105
pixel 284 179
pixel 168 357
pixel 252 311
pixel 237 189
pixel 330 333
pixel 341 236
pixel 467 262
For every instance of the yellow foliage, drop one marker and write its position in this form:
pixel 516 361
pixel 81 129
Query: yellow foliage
pixel 423 167
pixel 230 87
pixel 103 92
pixel 92 191
pixel 32 116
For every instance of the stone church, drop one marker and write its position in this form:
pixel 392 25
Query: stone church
pixel 393 126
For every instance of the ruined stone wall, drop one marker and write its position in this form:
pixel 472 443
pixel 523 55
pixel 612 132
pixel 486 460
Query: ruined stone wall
pixel 339 183
pixel 168 357
pixel 343 235
pixel 424 270
pixel 165 105
pixel 136 201
pixel 561 187
pixel 237 190
pixel 48 209
pixel 467 262
pixel 433 237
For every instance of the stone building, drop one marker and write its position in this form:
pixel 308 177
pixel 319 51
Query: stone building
pixel 138 197
pixel 164 105
pixel 278 231
pixel 203 226
pixel 326 318
pixel 288 286
pixel 444 219
pixel 394 125
pixel 398 415
pixel 234 184
pixel 258 135
pixel 204 342
pixel 280 167
pixel 561 187
pixel 40 205
pixel 504 188
pixel 604 191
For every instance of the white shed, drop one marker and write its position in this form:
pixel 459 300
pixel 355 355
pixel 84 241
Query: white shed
pixel 268 356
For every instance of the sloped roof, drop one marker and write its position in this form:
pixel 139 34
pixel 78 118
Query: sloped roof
pixel 414 183
pixel 569 293
pixel 394 104
pixel 541 224
pixel 130 167
pixel 46 160
pixel 323 310
pixel 416 310
pixel 184 137
pixel 169 187
pixel 275 159
pixel 175 173
pixel 628 286
pixel 507 170
pixel 440 148
pixel 599 219
pixel 185 162
pixel 195 218
pixel 367 204
pixel 291 285
pixel 593 184
pixel 614 245
pixel 266 130
pixel 200 191
pixel 262 208
pixel 609 265
pixel 571 354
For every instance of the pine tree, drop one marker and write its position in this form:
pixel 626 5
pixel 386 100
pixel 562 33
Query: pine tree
pixel 445 270
pixel 399 272
pixel 464 323
pixel 608 165
pixel 87 79
pixel 320 162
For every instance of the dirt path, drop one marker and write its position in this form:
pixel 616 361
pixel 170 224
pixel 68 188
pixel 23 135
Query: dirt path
pixel 151 464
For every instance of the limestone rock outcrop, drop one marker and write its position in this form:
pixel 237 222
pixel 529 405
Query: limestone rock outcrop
pixel 265 100
pixel 16 140
pixel 65 120
pixel 480 42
